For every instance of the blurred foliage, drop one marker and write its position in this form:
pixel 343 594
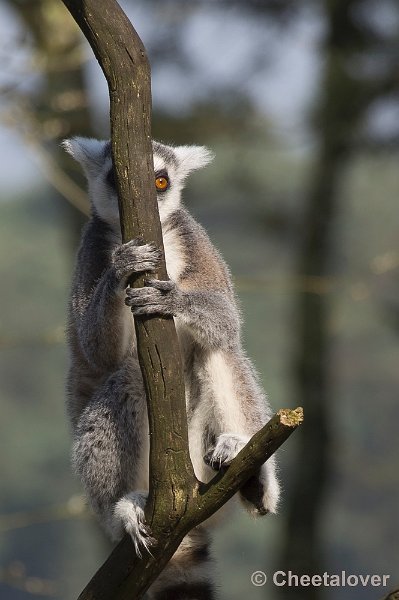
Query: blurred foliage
pixel 252 201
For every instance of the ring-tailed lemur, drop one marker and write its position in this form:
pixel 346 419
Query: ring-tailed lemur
pixel 106 399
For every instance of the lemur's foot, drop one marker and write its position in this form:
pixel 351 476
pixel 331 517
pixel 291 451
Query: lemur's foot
pixel 134 257
pixel 227 447
pixel 260 494
pixel 129 512
pixel 156 297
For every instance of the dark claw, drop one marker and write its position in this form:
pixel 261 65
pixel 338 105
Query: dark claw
pixel 208 458
pixel 216 465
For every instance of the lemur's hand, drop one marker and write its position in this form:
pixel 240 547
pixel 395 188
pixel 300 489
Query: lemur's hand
pixel 128 515
pixel 157 297
pixel 134 257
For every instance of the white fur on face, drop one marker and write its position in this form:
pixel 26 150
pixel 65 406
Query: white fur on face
pixel 96 162
pixel 168 201
pixel 186 160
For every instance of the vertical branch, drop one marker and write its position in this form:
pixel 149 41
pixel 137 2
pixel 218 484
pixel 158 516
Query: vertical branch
pixel 122 57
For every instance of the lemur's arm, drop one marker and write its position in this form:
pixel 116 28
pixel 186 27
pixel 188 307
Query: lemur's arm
pixel 211 315
pixel 99 312
pixel 201 295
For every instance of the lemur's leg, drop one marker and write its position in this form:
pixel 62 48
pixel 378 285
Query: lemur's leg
pixel 101 317
pixel 110 451
pixel 227 379
pixel 240 410
pixel 189 574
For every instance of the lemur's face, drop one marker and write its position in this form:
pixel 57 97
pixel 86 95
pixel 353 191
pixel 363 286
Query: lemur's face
pixel 171 167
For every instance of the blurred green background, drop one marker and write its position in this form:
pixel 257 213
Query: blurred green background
pixel 300 102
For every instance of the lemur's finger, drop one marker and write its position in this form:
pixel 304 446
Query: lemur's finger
pixel 164 286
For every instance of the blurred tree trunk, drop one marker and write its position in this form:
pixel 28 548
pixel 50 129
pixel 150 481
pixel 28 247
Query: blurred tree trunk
pixel 60 108
pixel 341 105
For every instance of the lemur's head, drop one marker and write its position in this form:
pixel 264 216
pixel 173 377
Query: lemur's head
pixel 171 166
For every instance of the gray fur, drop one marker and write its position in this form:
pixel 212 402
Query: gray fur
pixel 106 400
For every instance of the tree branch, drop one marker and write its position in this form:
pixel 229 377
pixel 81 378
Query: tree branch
pixel 124 576
pixel 392 595
pixel 177 501
pixel 257 451
pixel 123 59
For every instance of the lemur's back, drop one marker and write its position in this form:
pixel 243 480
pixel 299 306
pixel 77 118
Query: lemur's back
pixel 90 263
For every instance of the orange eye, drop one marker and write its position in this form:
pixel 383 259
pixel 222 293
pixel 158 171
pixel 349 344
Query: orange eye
pixel 162 183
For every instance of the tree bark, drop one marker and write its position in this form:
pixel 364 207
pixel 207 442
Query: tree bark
pixel 392 596
pixel 123 59
pixel 177 500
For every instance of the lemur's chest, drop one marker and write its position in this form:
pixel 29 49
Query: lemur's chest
pixel 174 254
pixel 175 264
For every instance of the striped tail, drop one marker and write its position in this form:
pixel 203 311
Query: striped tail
pixel 189 574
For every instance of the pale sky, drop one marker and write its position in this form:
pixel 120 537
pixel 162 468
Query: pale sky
pixel 220 48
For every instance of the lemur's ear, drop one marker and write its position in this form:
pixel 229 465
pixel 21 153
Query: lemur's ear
pixel 90 153
pixel 192 158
